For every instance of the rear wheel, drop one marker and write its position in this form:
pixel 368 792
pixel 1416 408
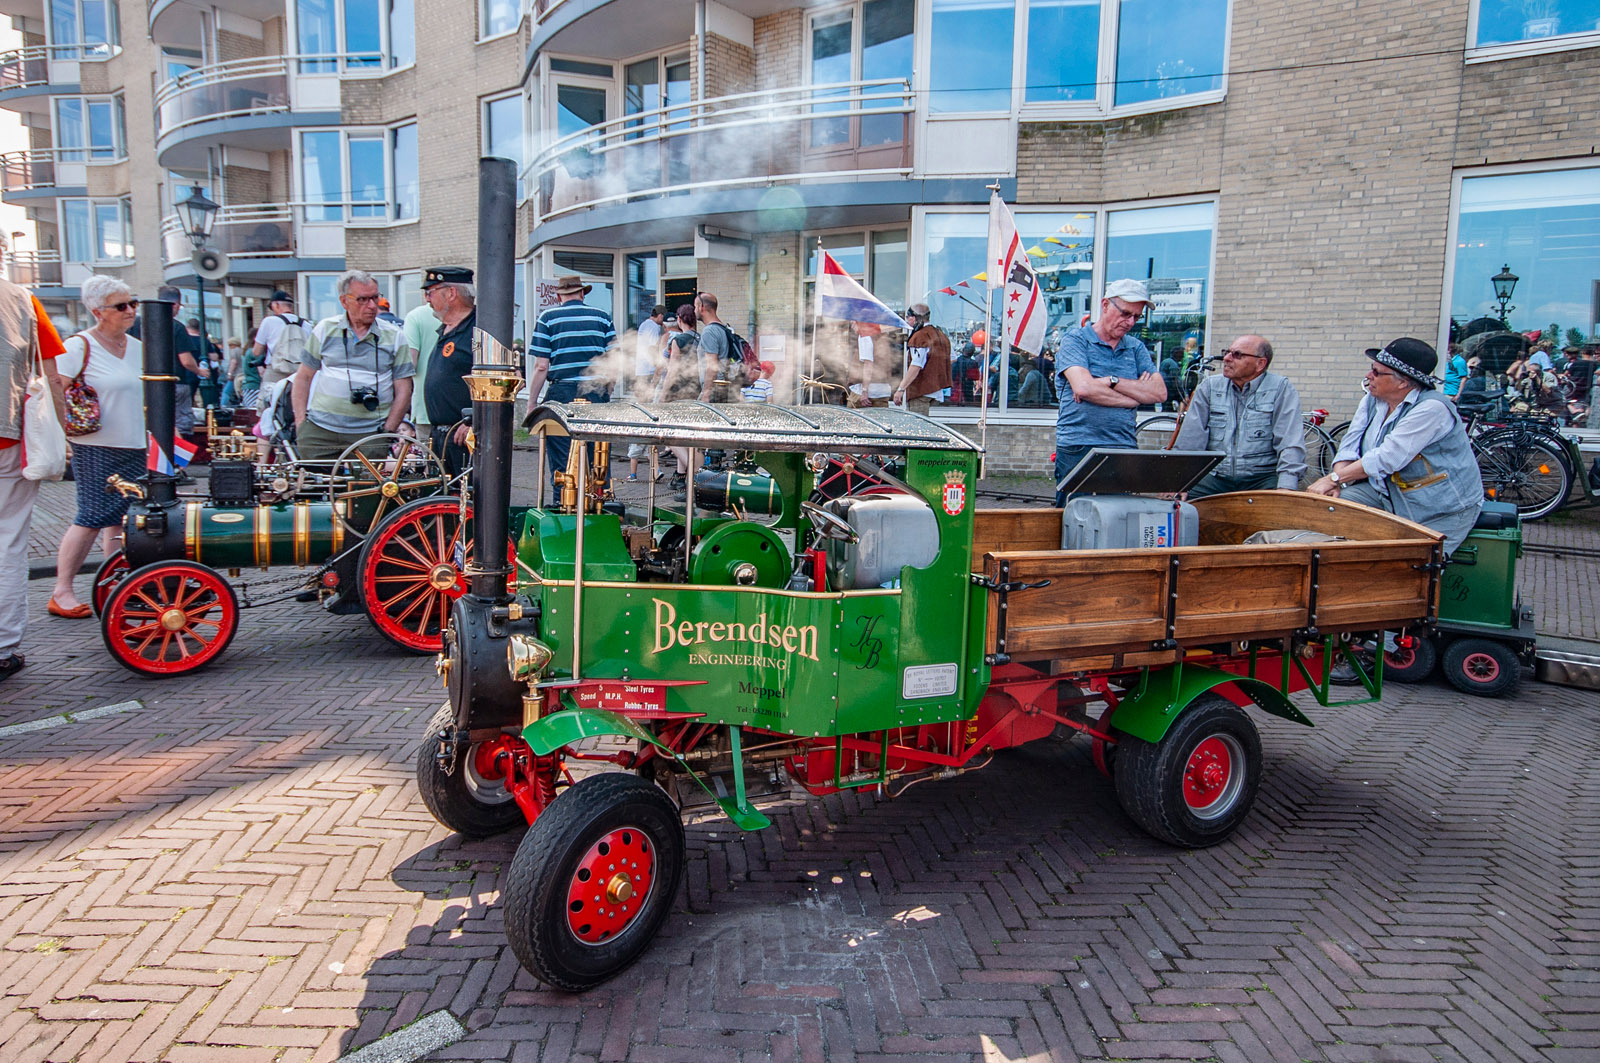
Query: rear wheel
pixel 106 578
pixel 1482 667
pixel 1196 785
pixel 593 880
pixel 472 799
pixel 1518 467
pixel 1413 663
pixel 169 618
pixel 1156 431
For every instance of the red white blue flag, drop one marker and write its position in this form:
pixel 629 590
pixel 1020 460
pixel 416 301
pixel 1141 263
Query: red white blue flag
pixel 157 461
pixel 841 298
pixel 1022 310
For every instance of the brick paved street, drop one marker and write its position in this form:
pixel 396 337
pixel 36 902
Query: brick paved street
pixel 239 868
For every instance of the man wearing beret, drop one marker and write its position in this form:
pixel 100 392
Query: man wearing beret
pixel 1406 450
pixel 449 292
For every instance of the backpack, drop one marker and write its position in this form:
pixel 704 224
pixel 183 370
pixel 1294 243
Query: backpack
pixel 741 360
pixel 284 357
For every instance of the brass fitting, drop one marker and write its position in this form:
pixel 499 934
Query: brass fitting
pixel 125 488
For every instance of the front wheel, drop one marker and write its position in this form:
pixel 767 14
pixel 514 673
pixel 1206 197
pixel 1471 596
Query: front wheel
pixel 169 618
pixel 1196 785
pixel 471 799
pixel 593 880
pixel 1482 667
pixel 1413 663
pixel 1532 474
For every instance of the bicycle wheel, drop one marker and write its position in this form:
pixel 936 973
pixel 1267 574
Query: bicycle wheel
pixel 1520 468
pixel 1320 449
pixel 1156 430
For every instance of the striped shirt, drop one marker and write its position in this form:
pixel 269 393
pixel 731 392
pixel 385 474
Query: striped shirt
pixel 571 336
pixel 345 364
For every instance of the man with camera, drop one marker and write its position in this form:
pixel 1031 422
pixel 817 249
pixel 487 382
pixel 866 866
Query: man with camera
pixel 355 377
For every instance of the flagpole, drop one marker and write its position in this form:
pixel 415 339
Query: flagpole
pixel 988 337
pixel 816 317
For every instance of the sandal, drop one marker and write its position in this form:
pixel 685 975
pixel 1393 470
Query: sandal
pixel 11 665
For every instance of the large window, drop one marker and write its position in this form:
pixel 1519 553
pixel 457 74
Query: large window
pixel 1504 22
pixel 503 127
pixel 1078 56
pixel 355 36
pixel 97 230
pixel 1546 227
pixel 1169 246
pixel 89 24
pixel 360 176
pixel 89 128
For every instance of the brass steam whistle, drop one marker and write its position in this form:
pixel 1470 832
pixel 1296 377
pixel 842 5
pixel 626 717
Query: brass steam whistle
pixel 566 480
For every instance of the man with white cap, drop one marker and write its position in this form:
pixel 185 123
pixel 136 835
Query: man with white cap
pixel 1406 450
pixel 1104 374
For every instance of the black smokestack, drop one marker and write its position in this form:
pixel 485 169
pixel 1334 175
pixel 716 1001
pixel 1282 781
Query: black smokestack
pixel 160 389
pixel 492 417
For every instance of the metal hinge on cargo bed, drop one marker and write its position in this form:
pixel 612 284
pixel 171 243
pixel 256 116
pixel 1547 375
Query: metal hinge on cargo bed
pixel 1003 587
pixel 1008 587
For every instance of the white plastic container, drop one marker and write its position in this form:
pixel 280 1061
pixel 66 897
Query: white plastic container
pixel 891 531
pixel 1127 522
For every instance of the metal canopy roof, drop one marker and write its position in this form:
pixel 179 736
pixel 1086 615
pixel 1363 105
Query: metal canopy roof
pixel 748 426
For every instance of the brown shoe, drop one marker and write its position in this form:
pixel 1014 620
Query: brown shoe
pixel 77 612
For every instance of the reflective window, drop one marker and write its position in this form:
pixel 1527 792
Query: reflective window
pixel 1510 21
pixel 1063 45
pixel 971 55
pixel 77 234
pixel 407 176
pixel 402 32
pixel 355 35
pixel 831 65
pixel 644 283
pixel 321 296
pixel 1166 50
pixel 363 34
pixel 97 230
pixel 89 23
pixel 367 189
pixel 1546 228
pixel 502 128
pixel 87 129
pixel 499 16
pixel 1169 248
pixel 321 176
pixel 889 267
pixel 314 22
pixel 886 52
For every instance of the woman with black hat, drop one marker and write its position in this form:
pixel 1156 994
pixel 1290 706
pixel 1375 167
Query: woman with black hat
pixel 1406 450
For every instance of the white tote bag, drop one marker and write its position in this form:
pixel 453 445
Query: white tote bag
pixel 44 444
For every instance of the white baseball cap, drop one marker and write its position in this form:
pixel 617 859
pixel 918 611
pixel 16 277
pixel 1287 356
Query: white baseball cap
pixel 1129 291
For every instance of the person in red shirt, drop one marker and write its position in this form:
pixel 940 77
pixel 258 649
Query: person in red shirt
pixel 25 333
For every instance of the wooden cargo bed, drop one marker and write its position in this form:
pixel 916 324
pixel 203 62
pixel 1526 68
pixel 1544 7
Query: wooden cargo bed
pixel 1110 608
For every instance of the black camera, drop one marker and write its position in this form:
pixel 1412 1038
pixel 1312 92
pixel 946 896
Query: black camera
pixel 365 397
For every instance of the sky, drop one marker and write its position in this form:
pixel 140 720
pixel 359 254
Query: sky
pixel 13 138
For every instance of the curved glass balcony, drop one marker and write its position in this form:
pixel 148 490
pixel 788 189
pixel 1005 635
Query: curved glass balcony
pixel 43 173
pixel 812 132
pixel 43 70
pixel 255 230
pixel 35 269
pixel 248 102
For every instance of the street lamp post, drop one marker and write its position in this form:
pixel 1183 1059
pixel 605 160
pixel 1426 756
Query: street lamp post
pixel 1505 282
pixel 199 216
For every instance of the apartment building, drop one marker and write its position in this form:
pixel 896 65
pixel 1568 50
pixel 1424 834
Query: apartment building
pixel 1329 175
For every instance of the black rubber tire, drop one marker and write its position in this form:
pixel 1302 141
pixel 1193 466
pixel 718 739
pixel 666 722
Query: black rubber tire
pixel 470 806
pixel 535 898
pixel 1482 667
pixel 1150 777
pixel 1414 665
pixel 1533 473
pixel 106 578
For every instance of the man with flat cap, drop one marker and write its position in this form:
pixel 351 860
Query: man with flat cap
pixel 449 292
pixel 927 363
pixel 1406 450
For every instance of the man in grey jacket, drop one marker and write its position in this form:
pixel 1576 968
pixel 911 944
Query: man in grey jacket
pixel 1251 415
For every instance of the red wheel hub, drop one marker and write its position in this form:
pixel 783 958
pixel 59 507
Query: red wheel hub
pixel 1205 777
pixel 610 885
pixel 1402 656
pixel 1481 667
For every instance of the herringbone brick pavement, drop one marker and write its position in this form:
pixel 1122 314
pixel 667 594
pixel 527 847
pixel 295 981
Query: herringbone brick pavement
pixel 241 869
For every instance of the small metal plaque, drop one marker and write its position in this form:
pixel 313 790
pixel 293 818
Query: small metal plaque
pixel 929 681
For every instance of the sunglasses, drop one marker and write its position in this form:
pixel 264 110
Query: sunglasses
pixel 126 304
pixel 364 298
pixel 1375 371
pixel 1234 352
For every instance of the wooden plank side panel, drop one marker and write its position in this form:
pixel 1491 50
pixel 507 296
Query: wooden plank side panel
pixel 998 530
pixel 1243 592
pixel 1364 586
pixel 1096 599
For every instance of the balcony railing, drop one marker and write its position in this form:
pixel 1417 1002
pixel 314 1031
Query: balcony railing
pixel 30 67
pixel 256 230
pixel 223 90
pixel 860 128
pixel 31 269
pixel 41 168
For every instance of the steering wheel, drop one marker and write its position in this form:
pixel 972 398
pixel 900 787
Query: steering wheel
pixel 828 525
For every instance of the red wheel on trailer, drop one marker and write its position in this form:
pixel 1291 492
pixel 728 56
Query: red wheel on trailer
pixel 1411 661
pixel 1197 784
pixel 593 880
pixel 169 618
pixel 1482 667
pixel 106 578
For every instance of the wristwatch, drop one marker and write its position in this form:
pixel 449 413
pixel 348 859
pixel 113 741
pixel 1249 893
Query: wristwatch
pixel 1335 478
pixel 1113 381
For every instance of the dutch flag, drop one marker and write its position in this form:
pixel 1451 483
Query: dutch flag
pixel 156 461
pixel 839 297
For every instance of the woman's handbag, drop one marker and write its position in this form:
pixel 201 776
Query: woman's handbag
pixel 44 447
pixel 83 402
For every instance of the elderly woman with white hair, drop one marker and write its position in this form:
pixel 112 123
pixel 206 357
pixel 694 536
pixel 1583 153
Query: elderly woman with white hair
pixel 110 361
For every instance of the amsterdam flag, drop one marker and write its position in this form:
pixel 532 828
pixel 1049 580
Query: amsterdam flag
pixel 1022 309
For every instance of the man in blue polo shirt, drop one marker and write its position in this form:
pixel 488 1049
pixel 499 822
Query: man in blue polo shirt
pixel 567 339
pixel 1104 375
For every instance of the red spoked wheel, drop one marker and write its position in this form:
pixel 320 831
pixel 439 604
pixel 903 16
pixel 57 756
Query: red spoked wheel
pixel 411 571
pixel 1197 784
pixel 593 880
pixel 169 618
pixel 106 577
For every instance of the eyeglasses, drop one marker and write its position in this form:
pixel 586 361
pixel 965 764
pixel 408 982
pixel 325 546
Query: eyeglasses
pixel 1234 352
pixel 1123 310
pixel 1375 371
pixel 126 304
pixel 365 298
